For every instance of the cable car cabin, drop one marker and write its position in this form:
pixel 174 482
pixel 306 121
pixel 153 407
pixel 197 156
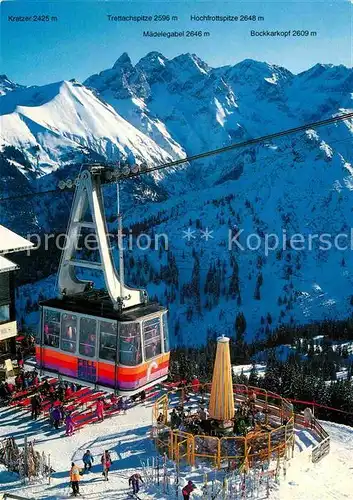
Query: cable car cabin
pixel 126 352
pixel 115 338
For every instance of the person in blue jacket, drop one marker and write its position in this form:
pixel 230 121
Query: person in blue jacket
pixel 88 460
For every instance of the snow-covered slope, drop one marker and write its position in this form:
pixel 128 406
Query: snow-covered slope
pixel 128 439
pixel 56 123
pixel 330 479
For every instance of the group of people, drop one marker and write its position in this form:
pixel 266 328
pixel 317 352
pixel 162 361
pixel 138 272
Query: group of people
pixel 58 414
pixel 118 403
pixel 23 381
pixel 197 420
pixel 26 379
pixel 188 420
pixel 76 472
pixel 135 480
pixel 57 395
pixel 247 415
pixel 62 392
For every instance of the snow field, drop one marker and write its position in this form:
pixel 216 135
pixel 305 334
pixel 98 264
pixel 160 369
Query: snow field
pixel 128 438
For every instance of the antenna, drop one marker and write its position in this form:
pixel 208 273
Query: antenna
pixel 120 244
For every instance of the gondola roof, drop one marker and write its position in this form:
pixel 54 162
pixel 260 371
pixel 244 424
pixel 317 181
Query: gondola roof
pixel 98 303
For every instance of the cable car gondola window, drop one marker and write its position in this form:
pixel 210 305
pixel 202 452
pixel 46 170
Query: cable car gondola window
pixel 152 337
pixel 165 332
pixel 68 332
pixel 87 345
pixel 130 344
pixel 107 343
pixel 51 328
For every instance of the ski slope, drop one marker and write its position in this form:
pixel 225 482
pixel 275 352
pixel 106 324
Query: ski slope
pixel 127 437
pixel 330 479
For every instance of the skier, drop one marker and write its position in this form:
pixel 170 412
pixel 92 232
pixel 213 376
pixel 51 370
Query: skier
pixel 25 381
pixel 188 489
pixel 61 392
pixel 106 462
pixel 69 425
pixel 88 460
pixel 35 407
pixel 56 416
pixel 75 478
pixel 100 409
pixel 134 481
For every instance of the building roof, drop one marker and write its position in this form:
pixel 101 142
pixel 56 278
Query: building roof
pixel 6 265
pixel 12 242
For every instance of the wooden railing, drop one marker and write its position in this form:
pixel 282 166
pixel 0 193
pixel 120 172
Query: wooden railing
pixel 322 448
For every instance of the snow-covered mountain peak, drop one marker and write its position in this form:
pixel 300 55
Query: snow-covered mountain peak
pixel 329 76
pixel 123 79
pixel 255 72
pixel 64 121
pixel 190 63
pixel 152 62
pixel 7 85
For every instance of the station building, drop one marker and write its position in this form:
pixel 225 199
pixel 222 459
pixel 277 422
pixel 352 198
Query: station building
pixel 10 242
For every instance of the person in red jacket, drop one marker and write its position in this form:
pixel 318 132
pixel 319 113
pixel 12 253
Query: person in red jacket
pixel 100 409
pixel 106 462
pixel 195 385
pixel 188 489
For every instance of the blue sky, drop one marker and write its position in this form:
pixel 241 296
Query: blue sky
pixel 83 41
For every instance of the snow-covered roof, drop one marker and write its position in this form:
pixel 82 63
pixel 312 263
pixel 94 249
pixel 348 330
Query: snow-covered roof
pixel 6 265
pixel 12 242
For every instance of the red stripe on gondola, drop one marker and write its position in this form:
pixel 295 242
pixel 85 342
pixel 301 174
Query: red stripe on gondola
pixel 67 364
